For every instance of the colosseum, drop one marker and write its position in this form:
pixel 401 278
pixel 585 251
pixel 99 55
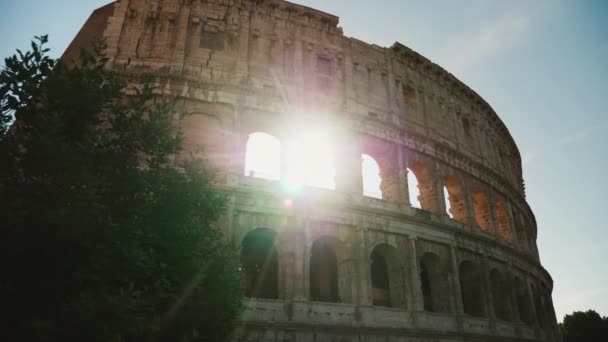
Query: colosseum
pixel 374 196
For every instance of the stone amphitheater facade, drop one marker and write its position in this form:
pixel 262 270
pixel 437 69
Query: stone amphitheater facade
pixel 335 265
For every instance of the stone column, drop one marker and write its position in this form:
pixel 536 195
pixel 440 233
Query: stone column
pixel 513 294
pixel 364 296
pixel 114 29
pixel 532 304
pixel 347 158
pixel 304 288
pixel 514 235
pixel 493 220
pixel 468 197
pixel 485 275
pixel 242 64
pixel 403 186
pixel 417 302
pixel 181 27
pixel 300 262
pixel 457 291
pixel 439 195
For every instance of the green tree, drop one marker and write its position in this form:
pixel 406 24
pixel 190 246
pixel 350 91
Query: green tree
pixel 104 238
pixel 584 327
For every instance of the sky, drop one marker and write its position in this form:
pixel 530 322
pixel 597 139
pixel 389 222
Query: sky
pixel 542 65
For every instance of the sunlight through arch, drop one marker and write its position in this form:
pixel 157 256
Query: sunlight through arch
pixel 263 156
pixel 414 191
pixel 370 172
pixel 310 161
pixel 448 204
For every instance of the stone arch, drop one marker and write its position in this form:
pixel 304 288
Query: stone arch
pixel 501 295
pixel 456 199
pixel 524 303
pixel 503 222
pixel 384 153
pixel 472 290
pixel 386 277
pixel 259 264
pixel 434 283
pixel 263 156
pixel 426 193
pixel 483 217
pixel 325 255
pixel 372 179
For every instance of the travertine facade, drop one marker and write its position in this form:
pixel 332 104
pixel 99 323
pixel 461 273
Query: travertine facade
pixel 335 265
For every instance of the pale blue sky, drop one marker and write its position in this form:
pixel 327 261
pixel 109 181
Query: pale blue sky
pixel 542 65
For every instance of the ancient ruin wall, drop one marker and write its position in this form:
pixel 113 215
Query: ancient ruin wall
pixel 252 66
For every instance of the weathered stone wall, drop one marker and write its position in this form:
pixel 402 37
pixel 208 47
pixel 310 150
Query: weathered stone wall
pixel 247 66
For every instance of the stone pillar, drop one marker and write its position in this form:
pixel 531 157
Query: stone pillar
pixel 181 27
pixel 364 296
pixel 347 158
pixel 305 267
pixel 532 304
pixel 492 208
pixel 417 302
pixel 513 294
pixel 458 307
pixel 300 262
pixel 485 275
pixel 514 236
pixel 402 179
pixel 242 64
pixel 114 30
pixel 468 197
pixel 439 195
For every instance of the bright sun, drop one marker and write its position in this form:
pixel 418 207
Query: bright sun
pixel 308 159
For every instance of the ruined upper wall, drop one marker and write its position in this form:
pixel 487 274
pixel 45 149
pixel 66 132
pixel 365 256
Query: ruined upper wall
pixel 276 56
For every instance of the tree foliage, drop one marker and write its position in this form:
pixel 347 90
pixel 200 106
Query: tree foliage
pixel 584 327
pixel 104 237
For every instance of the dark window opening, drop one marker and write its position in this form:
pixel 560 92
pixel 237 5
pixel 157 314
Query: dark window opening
pixel 472 292
pixel 466 126
pixel 426 288
pixel 380 283
pixel 212 40
pixel 259 265
pixel 409 95
pixel 323 273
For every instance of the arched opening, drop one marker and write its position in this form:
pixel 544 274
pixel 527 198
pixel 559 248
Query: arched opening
pixel 524 304
pixel 472 291
pixel 483 218
pixel 310 160
pixel 372 180
pixel 420 186
pixel 263 156
pixel 502 219
pixel 380 284
pixel 387 277
pixel 259 264
pixel 434 284
pixel 413 189
pixel 446 199
pixel 501 295
pixel 455 199
pixel 323 272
